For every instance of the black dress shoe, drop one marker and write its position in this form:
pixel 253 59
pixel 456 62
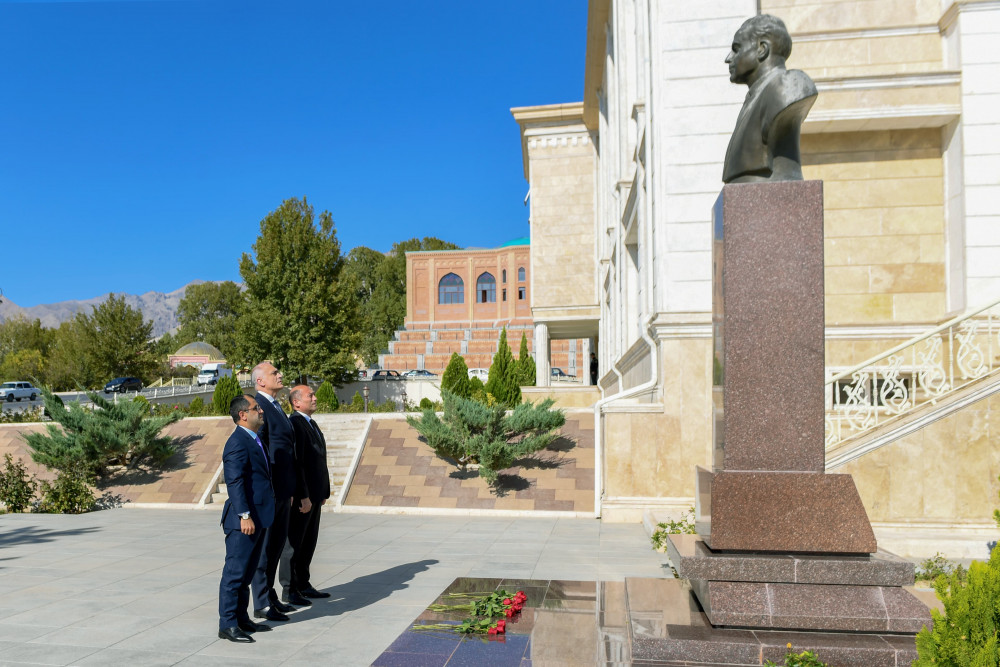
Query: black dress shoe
pixel 311 592
pixel 271 614
pixel 250 627
pixel 283 608
pixel 296 599
pixel 235 635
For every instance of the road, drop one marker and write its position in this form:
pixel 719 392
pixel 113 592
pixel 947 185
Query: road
pixel 157 395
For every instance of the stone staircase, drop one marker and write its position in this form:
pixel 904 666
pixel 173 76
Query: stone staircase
pixel 429 349
pixel 344 433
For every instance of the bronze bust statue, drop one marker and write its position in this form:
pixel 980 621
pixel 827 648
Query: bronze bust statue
pixel 765 143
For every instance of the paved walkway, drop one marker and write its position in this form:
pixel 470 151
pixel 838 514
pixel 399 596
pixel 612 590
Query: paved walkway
pixel 140 587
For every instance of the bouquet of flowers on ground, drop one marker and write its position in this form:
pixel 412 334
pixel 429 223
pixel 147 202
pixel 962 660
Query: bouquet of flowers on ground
pixel 499 605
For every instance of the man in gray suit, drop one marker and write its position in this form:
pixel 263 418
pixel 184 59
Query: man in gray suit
pixel 765 142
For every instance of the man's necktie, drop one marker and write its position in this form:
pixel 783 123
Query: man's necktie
pixel 263 451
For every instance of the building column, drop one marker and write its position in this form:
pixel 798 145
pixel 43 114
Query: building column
pixel 588 347
pixel 543 356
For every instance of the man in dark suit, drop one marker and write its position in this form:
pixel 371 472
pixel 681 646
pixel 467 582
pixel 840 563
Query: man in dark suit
pixel 279 439
pixel 307 507
pixel 248 512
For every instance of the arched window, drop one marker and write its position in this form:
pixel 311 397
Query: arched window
pixel 520 274
pixel 486 289
pixel 451 289
pixel 503 276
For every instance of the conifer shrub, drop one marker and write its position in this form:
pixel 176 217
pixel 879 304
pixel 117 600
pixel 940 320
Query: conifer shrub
pixel 196 407
pixel 91 440
pixel 142 400
pixel 17 487
pixel 326 398
pixel 967 632
pixel 525 365
pixel 455 379
pixel 426 404
pixel 68 493
pixel 472 432
pixel 477 390
pixel 503 381
pixel 226 389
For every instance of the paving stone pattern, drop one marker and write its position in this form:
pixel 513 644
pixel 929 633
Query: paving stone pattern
pixel 182 480
pixel 397 469
pixel 140 587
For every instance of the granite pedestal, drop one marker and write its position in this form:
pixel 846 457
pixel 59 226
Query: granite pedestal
pixel 785 553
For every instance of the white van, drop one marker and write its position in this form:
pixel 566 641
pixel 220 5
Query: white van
pixel 212 373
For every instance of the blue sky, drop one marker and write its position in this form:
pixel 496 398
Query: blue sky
pixel 142 141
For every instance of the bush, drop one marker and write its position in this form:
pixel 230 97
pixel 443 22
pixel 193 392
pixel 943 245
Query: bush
pixel 966 634
pixel 69 493
pixel 196 407
pixel 426 404
pixel 139 399
pixel 17 488
pixel 226 390
pixel 326 398
pixel 938 566
pixel 357 404
pixel 456 376
pixel 804 659
pixel 119 433
pixel 525 365
pixel 25 416
pixel 503 380
pixel 683 527
pixel 471 432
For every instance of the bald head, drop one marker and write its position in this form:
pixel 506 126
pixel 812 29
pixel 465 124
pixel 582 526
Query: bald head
pixel 303 399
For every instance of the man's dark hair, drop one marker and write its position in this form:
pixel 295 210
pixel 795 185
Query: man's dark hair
pixel 774 30
pixel 239 404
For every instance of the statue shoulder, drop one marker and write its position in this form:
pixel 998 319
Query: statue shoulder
pixel 796 85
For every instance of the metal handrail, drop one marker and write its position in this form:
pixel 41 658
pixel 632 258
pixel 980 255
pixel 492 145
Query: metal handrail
pixel 916 372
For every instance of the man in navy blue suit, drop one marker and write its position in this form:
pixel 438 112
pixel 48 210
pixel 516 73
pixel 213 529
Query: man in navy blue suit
pixel 279 441
pixel 248 512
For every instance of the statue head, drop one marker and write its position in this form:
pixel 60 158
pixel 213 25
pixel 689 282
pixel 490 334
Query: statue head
pixel 761 44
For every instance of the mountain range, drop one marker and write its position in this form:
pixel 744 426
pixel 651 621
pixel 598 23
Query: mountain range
pixel 159 307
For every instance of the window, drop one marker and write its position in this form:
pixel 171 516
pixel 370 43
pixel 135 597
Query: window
pixel 504 293
pixel 520 274
pixel 451 289
pixel 486 289
pixel 520 293
pixel 503 276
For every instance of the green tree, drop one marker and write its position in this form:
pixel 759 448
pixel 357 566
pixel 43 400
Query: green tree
pixel 23 365
pixel 209 312
pixel 525 365
pixel 18 333
pixel 326 398
pixel 68 365
pixel 502 383
pixel 118 340
pixel 17 487
pixel 299 313
pixel 226 390
pixel 379 282
pixel 456 376
pixel 114 433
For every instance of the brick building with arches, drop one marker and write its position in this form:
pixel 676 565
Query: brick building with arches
pixel 460 300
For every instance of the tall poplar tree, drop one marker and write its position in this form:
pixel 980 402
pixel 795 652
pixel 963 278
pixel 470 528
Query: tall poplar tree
pixel 299 313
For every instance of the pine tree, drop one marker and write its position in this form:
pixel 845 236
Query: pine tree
pixel 525 365
pixel 456 376
pixel 502 383
pixel 326 398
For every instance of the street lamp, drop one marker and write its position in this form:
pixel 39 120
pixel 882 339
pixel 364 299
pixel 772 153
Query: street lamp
pixel 364 391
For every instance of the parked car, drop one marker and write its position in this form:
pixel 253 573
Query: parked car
pixel 121 385
pixel 560 374
pixel 481 373
pixel 386 375
pixel 15 391
pixel 419 373
pixel 211 373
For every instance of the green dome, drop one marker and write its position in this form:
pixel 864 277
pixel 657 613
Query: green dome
pixel 524 240
pixel 200 349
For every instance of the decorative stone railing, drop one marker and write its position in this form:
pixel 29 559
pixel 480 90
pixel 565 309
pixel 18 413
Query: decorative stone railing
pixel 920 371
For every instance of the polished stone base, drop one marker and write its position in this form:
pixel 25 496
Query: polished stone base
pixel 668 627
pixel 782 512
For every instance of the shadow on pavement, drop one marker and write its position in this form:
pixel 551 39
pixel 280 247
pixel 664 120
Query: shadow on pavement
pixel 18 535
pixel 364 590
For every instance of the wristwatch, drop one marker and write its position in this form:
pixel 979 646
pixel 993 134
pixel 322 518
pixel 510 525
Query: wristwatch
pixel 245 515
